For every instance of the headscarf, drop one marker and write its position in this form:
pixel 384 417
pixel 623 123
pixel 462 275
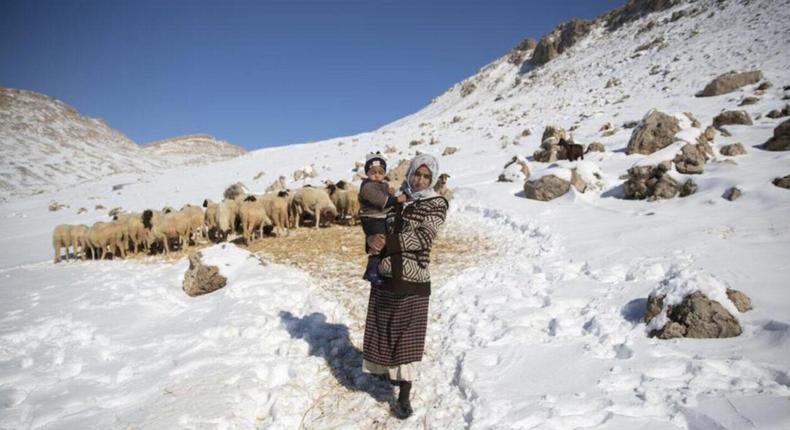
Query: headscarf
pixel 421 160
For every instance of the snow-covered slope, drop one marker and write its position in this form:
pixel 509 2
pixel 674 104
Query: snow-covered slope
pixel 539 325
pixel 194 149
pixel 46 144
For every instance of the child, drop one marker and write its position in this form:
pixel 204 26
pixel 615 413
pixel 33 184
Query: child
pixel 375 198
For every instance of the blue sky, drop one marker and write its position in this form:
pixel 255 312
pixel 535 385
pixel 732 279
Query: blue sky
pixel 260 73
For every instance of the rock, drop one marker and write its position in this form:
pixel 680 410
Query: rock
pixel 306 172
pixel 694 121
pixel 467 88
pixel 433 141
pixel 732 194
pixel 546 155
pixel 559 40
pixel 653 43
pixel 389 149
pixel 416 142
pixel 550 150
pixel 781 138
pixel 55 206
pixel 527 44
pixel 234 191
pixel 613 82
pixel 554 133
pixel 518 53
pixel 200 278
pixel 99 207
pixel 281 184
pixel 630 124
pixel 650 182
pixel 741 301
pixel 526 132
pixel 450 150
pixel 696 316
pixel 656 131
pixel 577 182
pixel 258 176
pixel 732 117
pixel 515 170
pixel 115 211
pixel 688 188
pixel 709 134
pixel 691 159
pixel 749 100
pixel 547 188
pixel 596 147
pixel 724 132
pixel 730 82
pixel 776 113
pixel 456 119
pixel 81 211
pixel 732 150
pixel 783 182
pixel 765 85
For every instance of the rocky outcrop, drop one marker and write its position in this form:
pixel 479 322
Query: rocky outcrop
pixel 546 188
pixel 697 316
pixel 730 82
pixel 732 150
pixel 656 131
pixel 550 150
pixel 732 117
pixel 519 53
pixel 777 113
pixel 691 159
pixel 200 278
pixel 654 183
pixel 559 40
pixel 781 138
pixel 515 170
pixel 634 10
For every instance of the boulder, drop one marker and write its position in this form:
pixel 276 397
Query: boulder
pixel 732 194
pixel 55 206
pixel 200 278
pixel 546 188
pixel 709 134
pixel 781 138
pixel 730 82
pixel 694 121
pixel 776 113
pixel 656 131
pixel 783 182
pixel 732 150
pixel 732 117
pixel 577 181
pixel 650 182
pixel 688 188
pixel 559 40
pixel 691 159
pixel 749 100
pixel 450 150
pixel 552 135
pixel 696 316
pixel 741 301
pixel 596 147
pixel 549 150
pixel 234 191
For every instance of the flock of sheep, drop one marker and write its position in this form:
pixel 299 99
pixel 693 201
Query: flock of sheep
pixel 238 213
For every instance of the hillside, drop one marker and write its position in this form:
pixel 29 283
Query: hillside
pixel 194 149
pixel 537 308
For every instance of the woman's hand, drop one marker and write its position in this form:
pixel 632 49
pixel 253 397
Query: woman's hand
pixel 376 242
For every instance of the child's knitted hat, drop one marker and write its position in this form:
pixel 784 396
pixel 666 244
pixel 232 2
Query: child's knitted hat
pixel 375 159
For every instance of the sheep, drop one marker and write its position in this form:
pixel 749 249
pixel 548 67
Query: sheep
pixel 314 202
pixel 210 218
pixel 61 238
pixel 441 187
pixel 227 214
pixel 196 221
pixel 276 205
pixel 573 151
pixel 253 217
pixel 104 236
pixel 166 226
pixel 135 232
pixel 345 197
pixel 79 239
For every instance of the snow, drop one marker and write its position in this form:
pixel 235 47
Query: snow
pixel 538 326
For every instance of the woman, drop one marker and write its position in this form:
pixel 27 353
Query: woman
pixel 398 308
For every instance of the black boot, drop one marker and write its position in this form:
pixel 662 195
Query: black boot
pixel 402 408
pixel 372 271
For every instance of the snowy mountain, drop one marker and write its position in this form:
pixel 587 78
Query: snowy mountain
pixel 194 149
pixel 47 145
pixel 536 317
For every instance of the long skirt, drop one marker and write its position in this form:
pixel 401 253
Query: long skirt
pixel 394 333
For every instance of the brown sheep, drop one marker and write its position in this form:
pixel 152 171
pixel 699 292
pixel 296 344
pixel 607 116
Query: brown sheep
pixel 135 233
pixel 106 237
pixel 573 151
pixel 253 217
pixel 441 187
pixel 276 205
pixel 345 197
pixel 196 222
pixel 79 240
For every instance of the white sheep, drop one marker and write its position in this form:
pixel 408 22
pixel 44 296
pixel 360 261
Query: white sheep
pixel 79 240
pixel 167 226
pixel 314 202
pixel 253 217
pixel 276 205
pixel 227 214
pixel 105 237
pixel 345 197
pixel 61 238
pixel 135 233
pixel 197 226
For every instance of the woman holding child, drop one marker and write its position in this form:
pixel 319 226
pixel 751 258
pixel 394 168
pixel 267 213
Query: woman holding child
pixel 400 241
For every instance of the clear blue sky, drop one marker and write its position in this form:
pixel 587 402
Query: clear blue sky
pixel 260 73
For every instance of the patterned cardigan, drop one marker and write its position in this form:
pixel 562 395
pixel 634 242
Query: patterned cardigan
pixel 407 253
